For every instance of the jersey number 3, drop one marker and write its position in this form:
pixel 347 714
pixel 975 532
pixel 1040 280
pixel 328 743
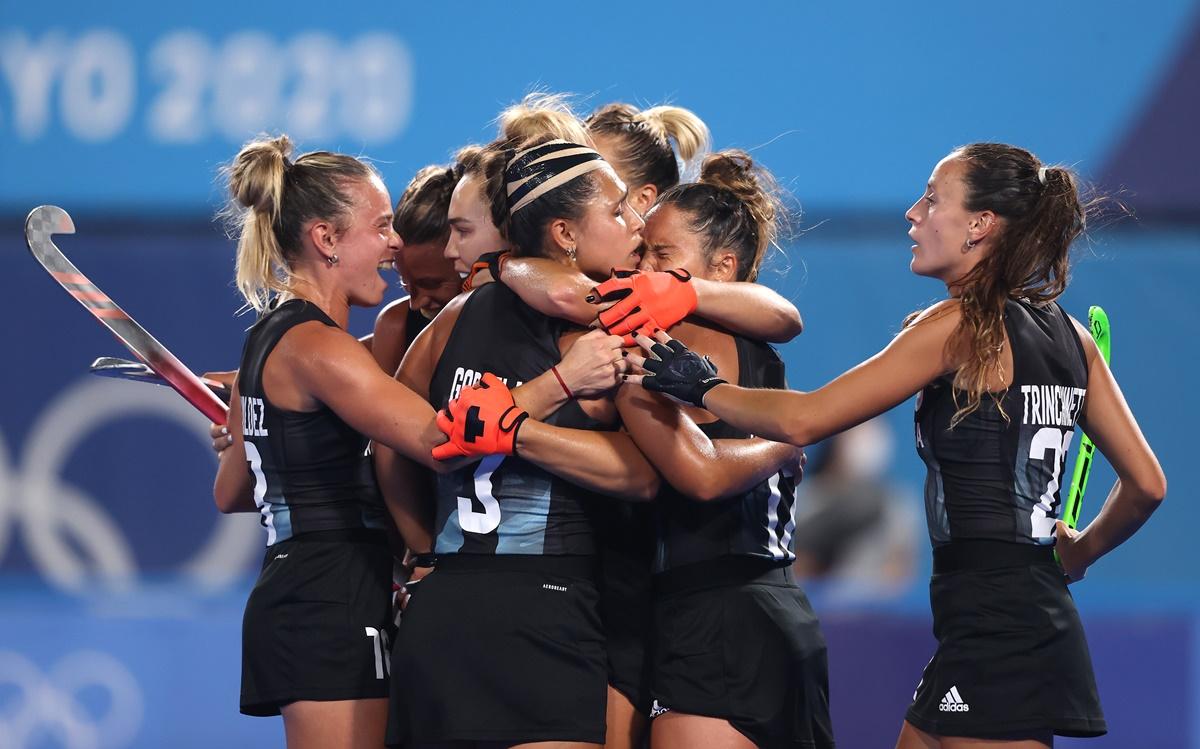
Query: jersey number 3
pixel 471 520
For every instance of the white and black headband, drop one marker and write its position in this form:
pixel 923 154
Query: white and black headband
pixel 536 171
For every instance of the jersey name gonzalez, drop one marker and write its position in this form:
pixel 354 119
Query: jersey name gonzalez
pixel 465 377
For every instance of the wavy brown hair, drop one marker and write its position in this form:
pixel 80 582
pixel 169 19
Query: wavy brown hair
pixel 1041 214
pixel 735 206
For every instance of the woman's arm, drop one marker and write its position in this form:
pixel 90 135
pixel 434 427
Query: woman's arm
pixel 485 420
pixel 390 336
pixel 644 301
pixel 913 359
pixel 233 491
pixel 407 489
pixel 407 486
pixel 591 367
pixel 1140 486
pixel 748 309
pixel 604 462
pixel 698 467
pixel 338 371
pixel 551 288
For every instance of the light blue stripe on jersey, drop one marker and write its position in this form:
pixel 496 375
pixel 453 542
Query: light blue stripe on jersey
pixel 450 539
pixel 281 520
pixel 523 525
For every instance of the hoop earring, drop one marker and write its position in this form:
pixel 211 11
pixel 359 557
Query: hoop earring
pixel 332 260
pixel 969 246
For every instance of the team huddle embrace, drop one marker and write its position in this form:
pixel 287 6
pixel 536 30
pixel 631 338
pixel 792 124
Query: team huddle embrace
pixel 575 446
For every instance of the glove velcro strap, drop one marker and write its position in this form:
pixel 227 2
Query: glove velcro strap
pixel 510 422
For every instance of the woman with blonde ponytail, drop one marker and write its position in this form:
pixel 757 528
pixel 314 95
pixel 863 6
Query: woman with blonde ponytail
pixel 313 234
pixel 646 146
pixel 1004 377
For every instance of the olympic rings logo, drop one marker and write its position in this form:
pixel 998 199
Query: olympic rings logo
pixel 70 537
pixel 49 704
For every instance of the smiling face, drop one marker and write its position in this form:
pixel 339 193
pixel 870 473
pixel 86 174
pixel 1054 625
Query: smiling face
pixel 367 243
pixel 472 232
pixel 609 233
pixel 428 277
pixel 941 225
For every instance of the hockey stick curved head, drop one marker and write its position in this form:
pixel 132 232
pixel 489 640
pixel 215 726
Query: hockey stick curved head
pixel 48 219
pixel 43 222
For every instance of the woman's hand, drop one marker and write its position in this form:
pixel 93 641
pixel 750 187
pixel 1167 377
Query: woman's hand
pixel 673 369
pixel 221 438
pixel 593 365
pixel 645 301
pixel 1068 544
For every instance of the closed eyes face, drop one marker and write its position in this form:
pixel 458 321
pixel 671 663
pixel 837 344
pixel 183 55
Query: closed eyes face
pixel 428 277
pixel 609 232
pixel 671 243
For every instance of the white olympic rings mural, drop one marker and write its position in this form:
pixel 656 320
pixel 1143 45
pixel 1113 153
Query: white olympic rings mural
pixel 71 539
pixel 52 704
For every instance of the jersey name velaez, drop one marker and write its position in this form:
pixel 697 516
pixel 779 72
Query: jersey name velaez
pixel 254 415
pixel 1052 405
pixel 465 378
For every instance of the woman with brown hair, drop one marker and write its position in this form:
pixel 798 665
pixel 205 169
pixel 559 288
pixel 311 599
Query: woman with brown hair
pixel 426 274
pixel 738 656
pixel 1004 377
pixel 503 641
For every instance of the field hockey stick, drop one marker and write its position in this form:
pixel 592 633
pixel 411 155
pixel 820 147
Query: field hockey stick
pixel 1098 324
pixel 135 371
pixel 47 220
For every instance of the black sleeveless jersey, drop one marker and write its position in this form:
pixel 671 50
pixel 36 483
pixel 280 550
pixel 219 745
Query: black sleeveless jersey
pixel 999 479
pixel 504 504
pixel 757 523
pixel 310 469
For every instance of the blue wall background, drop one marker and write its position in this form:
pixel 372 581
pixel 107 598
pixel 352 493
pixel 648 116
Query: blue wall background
pixel 120 586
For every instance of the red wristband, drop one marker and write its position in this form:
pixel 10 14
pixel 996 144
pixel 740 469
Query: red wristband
pixel 562 382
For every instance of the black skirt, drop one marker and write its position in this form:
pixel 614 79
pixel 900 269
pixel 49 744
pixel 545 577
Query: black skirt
pixel 737 639
pixel 317 623
pixel 1011 656
pixel 502 648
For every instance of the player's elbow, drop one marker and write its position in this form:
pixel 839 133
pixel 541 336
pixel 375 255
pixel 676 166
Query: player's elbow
pixel 788 324
pixel 706 492
pixel 644 488
pixel 1152 490
pixel 565 302
pixel 228 502
pixel 699 485
pixel 798 433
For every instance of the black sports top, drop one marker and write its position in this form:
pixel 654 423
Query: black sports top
pixel 998 479
pixel 757 523
pixel 507 505
pixel 310 469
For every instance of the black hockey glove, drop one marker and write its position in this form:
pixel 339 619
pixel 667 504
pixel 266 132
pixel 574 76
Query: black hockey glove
pixel 680 373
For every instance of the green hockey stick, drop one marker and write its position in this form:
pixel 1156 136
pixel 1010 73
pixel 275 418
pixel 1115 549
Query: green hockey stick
pixel 1098 324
